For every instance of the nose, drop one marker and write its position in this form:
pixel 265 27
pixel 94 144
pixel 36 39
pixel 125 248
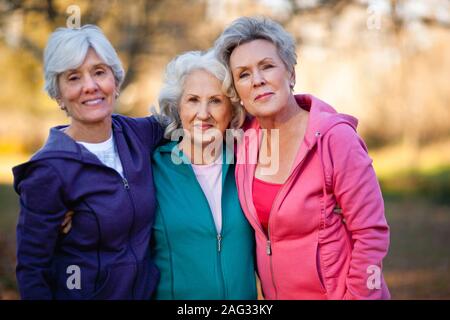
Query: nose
pixel 258 79
pixel 89 84
pixel 203 112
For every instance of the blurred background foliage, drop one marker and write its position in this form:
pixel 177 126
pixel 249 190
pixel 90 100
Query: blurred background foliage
pixel 387 62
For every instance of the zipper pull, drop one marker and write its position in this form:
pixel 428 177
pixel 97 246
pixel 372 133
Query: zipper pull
pixel 268 248
pixel 219 242
pixel 125 183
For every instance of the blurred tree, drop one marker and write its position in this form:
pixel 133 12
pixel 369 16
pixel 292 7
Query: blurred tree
pixel 333 34
pixel 133 28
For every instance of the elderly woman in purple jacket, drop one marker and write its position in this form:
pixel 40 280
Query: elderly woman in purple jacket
pixel 99 167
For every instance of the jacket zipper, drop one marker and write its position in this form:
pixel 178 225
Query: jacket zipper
pixel 130 247
pixel 268 241
pixel 219 239
pixel 219 242
pixel 267 237
pixel 269 248
pixel 126 186
pixel 219 264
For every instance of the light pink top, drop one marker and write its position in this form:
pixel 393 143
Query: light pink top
pixel 209 177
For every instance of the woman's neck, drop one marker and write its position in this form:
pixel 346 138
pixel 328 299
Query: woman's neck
pixel 90 133
pixel 284 118
pixel 200 154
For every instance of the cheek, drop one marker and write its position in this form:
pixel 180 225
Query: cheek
pixel 185 116
pixel 69 93
pixel 242 91
pixel 109 87
pixel 225 117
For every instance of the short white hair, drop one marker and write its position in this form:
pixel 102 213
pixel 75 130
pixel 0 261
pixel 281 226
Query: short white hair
pixel 176 72
pixel 67 48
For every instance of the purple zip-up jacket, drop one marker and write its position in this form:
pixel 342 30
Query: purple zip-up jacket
pixel 106 254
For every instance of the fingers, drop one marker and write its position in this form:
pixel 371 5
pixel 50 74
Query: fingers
pixel 66 225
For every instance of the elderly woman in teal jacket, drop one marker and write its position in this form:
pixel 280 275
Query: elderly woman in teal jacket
pixel 203 245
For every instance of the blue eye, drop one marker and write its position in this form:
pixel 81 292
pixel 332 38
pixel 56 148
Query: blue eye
pixel 216 101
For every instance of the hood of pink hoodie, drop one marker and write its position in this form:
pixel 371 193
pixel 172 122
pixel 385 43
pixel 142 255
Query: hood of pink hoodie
pixel 322 118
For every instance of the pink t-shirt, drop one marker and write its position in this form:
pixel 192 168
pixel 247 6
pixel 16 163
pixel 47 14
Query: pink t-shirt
pixel 264 194
pixel 209 176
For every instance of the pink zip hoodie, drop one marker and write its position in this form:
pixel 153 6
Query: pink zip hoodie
pixel 312 250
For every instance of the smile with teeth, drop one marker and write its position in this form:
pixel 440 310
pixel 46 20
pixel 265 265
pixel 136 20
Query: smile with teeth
pixel 93 101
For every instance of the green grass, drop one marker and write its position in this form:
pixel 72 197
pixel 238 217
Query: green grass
pixel 431 185
pixel 8 218
pixel 418 263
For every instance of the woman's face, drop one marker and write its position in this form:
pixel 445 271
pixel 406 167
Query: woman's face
pixel 88 92
pixel 204 107
pixel 260 77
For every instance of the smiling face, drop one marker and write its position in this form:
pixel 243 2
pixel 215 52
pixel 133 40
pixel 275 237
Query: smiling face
pixel 203 107
pixel 88 92
pixel 261 78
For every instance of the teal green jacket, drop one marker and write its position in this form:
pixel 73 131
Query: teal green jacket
pixel 194 261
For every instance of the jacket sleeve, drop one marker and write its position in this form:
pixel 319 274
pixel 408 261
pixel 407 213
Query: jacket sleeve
pixel 358 193
pixel 41 212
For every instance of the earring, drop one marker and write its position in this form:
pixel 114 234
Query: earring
pixel 241 103
pixel 291 85
pixel 116 95
pixel 62 107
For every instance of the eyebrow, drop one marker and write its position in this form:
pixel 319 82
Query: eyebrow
pixel 101 64
pixel 259 62
pixel 213 96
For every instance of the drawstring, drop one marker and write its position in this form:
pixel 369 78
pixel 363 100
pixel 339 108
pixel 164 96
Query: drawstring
pixel 337 209
pixel 324 188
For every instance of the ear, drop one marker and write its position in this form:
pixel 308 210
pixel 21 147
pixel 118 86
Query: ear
pixel 292 76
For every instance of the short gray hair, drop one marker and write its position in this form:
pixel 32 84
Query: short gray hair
pixel 246 29
pixel 67 48
pixel 176 72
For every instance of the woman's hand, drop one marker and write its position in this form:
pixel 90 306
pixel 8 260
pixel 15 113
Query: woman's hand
pixel 66 225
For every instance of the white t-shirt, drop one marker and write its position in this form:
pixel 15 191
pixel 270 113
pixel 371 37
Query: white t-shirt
pixel 209 177
pixel 106 152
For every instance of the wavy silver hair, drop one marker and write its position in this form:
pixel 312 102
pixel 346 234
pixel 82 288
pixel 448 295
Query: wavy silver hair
pixel 176 72
pixel 67 48
pixel 246 29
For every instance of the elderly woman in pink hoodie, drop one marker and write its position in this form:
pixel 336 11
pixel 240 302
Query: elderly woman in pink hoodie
pixel 305 180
